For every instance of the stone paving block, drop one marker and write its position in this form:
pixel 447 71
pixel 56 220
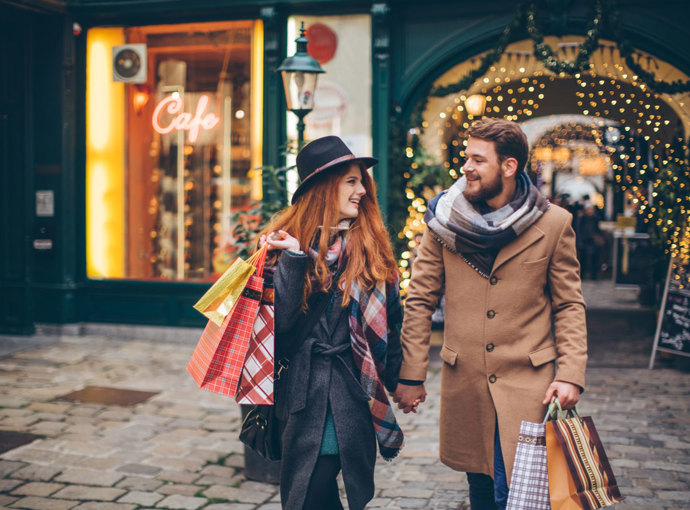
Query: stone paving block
pixel 87 477
pixel 236 494
pixel 268 506
pixel 18 422
pixel 174 463
pixel 140 469
pixel 683 496
pixel 178 476
pixel 236 461
pixel 50 407
pixel 48 428
pixel 141 498
pixel 92 505
pixel 232 506
pixel 85 410
pixel 48 416
pixel 205 455
pixel 258 487
pixel 6 501
pixel 7 484
pixel 100 463
pixel 407 492
pixel 216 470
pixel 14 401
pixel 37 489
pixel 8 466
pixel 412 503
pixel 179 488
pixel 138 483
pixel 220 480
pixel 170 450
pixel 88 493
pixel 35 503
pixel 183 502
pixel 116 415
pixel 667 466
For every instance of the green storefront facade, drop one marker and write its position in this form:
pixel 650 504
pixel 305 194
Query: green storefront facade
pixel 45 122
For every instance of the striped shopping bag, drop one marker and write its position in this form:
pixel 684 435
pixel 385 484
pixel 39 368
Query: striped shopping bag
pixel 580 475
pixel 218 358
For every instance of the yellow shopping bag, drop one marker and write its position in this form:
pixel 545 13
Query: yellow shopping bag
pixel 220 299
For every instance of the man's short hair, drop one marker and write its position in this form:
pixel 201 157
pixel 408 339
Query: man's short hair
pixel 509 139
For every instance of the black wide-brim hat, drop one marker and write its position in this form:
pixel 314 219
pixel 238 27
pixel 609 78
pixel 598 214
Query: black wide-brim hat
pixel 322 156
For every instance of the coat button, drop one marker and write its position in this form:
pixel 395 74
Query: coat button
pixel 492 378
pixel 489 347
pixel 493 280
pixel 491 314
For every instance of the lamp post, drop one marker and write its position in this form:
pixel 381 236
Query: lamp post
pixel 300 73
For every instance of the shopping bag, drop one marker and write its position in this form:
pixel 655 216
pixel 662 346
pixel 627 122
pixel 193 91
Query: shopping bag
pixel 217 360
pixel 219 300
pixel 256 381
pixel 580 475
pixel 529 484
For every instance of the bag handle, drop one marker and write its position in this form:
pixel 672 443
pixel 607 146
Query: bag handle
pixel 555 409
pixel 258 260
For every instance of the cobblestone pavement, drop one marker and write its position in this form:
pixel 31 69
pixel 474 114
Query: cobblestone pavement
pixel 180 449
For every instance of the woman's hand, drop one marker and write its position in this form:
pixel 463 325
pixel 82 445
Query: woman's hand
pixel 280 240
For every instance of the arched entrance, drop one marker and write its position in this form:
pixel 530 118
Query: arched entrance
pixel 601 136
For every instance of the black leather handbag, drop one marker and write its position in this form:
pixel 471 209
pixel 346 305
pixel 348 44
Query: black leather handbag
pixel 262 427
pixel 261 431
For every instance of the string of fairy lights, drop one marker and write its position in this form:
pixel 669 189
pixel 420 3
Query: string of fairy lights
pixel 647 159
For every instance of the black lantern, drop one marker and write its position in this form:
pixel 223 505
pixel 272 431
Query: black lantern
pixel 300 73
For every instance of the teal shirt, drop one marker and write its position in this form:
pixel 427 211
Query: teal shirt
pixel 329 443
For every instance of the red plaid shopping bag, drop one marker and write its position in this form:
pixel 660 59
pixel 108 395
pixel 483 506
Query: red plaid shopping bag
pixel 256 382
pixel 217 361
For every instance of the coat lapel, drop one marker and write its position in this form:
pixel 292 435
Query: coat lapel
pixel 528 238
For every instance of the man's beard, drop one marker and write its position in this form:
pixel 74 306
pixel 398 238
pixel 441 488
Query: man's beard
pixel 485 192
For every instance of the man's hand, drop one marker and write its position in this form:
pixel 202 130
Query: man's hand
pixel 408 397
pixel 568 394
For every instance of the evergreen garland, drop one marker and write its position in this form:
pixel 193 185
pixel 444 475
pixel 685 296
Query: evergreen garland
pixel 603 11
pixel 544 53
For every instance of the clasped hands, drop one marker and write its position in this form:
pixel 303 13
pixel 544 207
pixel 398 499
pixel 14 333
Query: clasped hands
pixel 408 397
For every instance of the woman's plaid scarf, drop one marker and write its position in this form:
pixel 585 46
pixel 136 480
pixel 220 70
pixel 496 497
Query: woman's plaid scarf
pixel 369 336
pixel 478 236
pixel 369 340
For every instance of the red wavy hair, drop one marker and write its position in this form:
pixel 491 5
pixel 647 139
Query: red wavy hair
pixel 369 251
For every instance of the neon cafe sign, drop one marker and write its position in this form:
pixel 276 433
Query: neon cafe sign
pixel 184 121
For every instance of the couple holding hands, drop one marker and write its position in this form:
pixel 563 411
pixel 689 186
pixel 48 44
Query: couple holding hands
pixel 515 334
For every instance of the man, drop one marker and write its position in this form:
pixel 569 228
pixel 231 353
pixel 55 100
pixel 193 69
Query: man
pixel 508 261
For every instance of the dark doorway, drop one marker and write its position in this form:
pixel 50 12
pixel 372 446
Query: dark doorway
pixel 15 179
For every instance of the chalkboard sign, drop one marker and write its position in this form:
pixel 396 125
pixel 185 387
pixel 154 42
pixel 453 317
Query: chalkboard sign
pixel 673 326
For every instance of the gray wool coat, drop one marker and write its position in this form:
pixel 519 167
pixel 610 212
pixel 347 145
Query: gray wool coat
pixel 323 374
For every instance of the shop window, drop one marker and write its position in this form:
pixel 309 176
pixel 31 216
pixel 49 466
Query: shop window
pixel 173 146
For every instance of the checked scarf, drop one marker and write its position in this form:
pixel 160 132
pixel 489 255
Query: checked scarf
pixel 478 236
pixel 369 337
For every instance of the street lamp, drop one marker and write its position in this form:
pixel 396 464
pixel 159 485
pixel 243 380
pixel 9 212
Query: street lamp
pixel 300 73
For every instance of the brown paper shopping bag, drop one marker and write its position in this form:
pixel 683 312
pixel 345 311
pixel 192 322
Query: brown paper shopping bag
pixel 580 475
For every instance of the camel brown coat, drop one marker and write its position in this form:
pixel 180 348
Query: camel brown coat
pixel 499 353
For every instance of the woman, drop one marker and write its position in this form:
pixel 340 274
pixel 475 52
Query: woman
pixel 331 257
